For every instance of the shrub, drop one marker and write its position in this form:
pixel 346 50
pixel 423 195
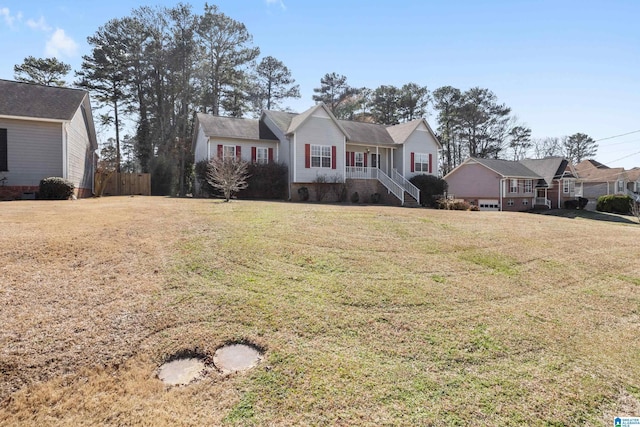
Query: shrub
pixel 322 187
pixel 430 188
pixel 375 198
pixel 579 203
pixel 455 205
pixel 614 204
pixel 55 188
pixel 355 197
pixel 571 204
pixel 303 193
pixel 266 181
pixel 201 176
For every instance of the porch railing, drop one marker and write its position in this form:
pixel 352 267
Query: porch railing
pixel 407 185
pixel 543 201
pixel 360 172
pixel 634 196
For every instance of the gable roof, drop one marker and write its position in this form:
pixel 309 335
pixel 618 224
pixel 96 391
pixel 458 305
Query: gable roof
pixel 298 120
pixel 549 168
pixel 288 123
pixel 30 100
pixel 232 127
pixel 401 132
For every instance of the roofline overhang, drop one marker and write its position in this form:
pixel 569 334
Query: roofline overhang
pixel 33 119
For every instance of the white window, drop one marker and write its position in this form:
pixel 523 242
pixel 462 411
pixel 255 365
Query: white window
pixel 228 152
pixel 620 186
pixel 262 155
pixel 567 186
pixel 513 186
pixel 320 156
pixel 359 160
pixel 421 162
pixel 528 186
pixel 525 202
pixel 510 202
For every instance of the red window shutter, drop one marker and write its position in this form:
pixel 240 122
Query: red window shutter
pixel 253 154
pixel 365 159
pixel 353 158
pixel 348 158
pixel 333 156
pixel 307 155
pixel 430 160
pixel 238 155
pixel 270 155
pixel 413 166
pixel 219 151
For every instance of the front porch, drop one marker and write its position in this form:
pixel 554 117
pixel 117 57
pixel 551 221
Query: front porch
pixel 396 184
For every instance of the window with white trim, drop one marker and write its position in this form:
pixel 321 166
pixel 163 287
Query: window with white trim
pixel 568 186
pixel 528 186
pixel 359 160
pixel 525 202
pixel 620 186
pixel 320 156
pixel 510 202
pixel 513 186
pixel 421 162
pixel 229 152
pixel 262 155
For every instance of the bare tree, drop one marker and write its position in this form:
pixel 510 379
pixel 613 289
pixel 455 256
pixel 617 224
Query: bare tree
pixel 227 175
pixel 547 147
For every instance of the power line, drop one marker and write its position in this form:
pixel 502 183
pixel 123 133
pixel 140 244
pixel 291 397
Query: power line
pixel 625 157
pixel 618 136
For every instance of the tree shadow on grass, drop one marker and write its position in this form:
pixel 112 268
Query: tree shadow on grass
pixel 593 215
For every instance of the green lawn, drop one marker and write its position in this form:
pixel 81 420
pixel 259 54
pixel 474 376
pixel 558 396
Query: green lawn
pixel 368 315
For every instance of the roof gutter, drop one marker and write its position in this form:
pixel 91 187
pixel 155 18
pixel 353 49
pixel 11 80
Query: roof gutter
pixel 34 119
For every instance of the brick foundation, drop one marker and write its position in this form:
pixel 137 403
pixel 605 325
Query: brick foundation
pixel 365 188
pixel 28 192
pixel 16 192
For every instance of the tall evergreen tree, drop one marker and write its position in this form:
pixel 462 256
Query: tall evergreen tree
pixel 579 147
pixel 336 94
pixel 273 83
pixel 226 48
pixel 43 71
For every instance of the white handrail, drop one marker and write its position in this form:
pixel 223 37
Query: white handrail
pixel 407 185
pixel 390 184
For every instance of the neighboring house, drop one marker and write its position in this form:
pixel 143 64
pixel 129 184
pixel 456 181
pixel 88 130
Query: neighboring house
pixel 601 180
pixel 506 185
pixel 45 132
pixel 315 145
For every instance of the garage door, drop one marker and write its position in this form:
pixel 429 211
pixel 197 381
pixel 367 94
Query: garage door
pixel 489 205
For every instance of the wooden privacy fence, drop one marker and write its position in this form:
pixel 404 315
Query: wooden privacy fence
pixel 130 184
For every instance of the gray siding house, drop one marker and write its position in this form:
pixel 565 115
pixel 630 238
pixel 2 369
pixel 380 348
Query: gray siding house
pixel 45 132
pixel 369 158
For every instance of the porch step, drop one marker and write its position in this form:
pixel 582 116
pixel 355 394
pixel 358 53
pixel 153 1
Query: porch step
pixel 409 201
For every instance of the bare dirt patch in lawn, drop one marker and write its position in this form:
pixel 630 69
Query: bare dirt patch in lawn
pixel 366 315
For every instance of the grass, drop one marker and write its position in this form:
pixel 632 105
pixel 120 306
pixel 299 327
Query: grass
pixel 368 315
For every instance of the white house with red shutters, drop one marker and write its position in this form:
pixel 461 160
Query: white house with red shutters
pixel 317 146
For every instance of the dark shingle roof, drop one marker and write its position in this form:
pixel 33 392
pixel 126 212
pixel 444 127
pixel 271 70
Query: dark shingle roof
pixel 508 168
pixel 37 101
pixel 368 133
pixel 281 119
pixel 231 127
pixel 549 168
